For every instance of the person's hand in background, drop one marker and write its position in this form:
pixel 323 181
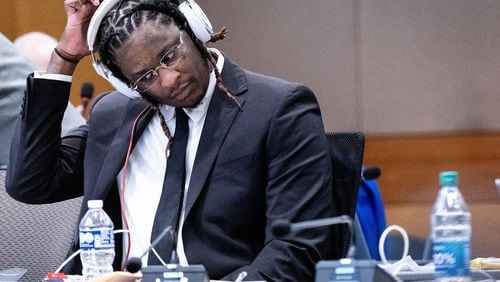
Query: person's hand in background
pixel 119 276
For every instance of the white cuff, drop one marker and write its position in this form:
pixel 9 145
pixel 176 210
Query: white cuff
pixel 53 76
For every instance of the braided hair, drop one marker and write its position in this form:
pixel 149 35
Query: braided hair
pixel 127 15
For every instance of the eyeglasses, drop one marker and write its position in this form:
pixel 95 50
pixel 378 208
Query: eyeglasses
pixel 168 61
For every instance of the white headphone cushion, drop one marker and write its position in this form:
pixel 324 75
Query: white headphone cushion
pixel 197 20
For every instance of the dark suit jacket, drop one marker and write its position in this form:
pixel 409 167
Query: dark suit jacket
pixel 264 162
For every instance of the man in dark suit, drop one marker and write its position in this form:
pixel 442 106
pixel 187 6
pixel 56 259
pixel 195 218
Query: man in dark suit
pixel 255 150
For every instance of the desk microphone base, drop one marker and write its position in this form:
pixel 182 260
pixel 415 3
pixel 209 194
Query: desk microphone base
pixel 174 273
pixel 352 270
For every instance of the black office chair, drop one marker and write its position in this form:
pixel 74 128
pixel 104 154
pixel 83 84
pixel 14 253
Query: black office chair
pixel 35 237
pixel 346 151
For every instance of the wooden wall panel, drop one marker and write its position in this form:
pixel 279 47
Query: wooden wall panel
pixel 47 16
pixel 415 219
pixel 410 164
pixel 409 182
pixel 8 18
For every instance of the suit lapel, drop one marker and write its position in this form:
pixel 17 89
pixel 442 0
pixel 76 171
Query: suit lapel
pixel 115 158
pixel 221 114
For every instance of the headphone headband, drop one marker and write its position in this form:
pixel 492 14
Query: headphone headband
pixel 196 18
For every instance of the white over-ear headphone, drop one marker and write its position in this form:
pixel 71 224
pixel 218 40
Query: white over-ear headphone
pixel 196 18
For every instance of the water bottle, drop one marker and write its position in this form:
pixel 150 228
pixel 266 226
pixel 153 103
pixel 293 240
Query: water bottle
pixel 451 231
pixel 97 243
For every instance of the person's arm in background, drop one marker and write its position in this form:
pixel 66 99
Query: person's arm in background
pixel 37 47
pixel 71 119
pixel 13 72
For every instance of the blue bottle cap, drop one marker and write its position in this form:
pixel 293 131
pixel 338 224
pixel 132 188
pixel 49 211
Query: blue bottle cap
pixel 448 178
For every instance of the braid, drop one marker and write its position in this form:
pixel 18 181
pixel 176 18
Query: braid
pixel 221 34
pixel 218 77
pixel 166 131
pixel 126 16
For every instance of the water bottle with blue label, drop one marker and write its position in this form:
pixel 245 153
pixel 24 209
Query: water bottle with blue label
pixel 451 231
pixel 97 243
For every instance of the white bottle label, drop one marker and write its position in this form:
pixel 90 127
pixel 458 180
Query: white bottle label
pixel 97 239
pixel 451 258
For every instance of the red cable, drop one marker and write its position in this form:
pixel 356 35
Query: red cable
pixel 122 194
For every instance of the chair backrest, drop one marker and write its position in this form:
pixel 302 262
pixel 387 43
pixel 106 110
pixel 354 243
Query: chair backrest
pixel 346 151
pixel 35 237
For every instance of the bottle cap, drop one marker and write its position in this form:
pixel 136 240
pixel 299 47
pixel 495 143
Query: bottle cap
pixel 448 178
pixel 94 204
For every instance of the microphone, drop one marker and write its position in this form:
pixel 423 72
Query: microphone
pixel 134 264
pixel 87 90
pixel 283 227
pixel 86 94
pixel 371 173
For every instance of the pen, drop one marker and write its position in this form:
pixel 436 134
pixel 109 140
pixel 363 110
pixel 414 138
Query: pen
pixel 241 276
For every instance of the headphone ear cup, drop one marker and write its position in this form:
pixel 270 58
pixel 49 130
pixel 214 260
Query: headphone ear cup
pixel 197 20
pixel 119 85
pixel 123 88
pixel 99 67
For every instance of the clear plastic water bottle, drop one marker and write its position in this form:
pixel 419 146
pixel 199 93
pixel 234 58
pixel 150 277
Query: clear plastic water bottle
pixel 97 243
pixel 451 231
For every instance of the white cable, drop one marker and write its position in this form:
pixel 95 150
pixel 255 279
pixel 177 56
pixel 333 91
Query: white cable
pixel 381 241
pixel 121 231
pixel 158 256
pixel 73 255
pixel 67 260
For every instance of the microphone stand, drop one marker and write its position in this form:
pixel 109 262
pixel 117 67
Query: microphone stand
pixel 283 227
pixel 173 271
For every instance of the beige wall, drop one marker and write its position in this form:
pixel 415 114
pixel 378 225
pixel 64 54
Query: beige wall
pixel 430 65
pixel 312 42
pixel 381 66
pixel 378 66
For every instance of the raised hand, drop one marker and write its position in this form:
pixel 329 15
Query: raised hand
pixel 72 45
pixel 74 38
